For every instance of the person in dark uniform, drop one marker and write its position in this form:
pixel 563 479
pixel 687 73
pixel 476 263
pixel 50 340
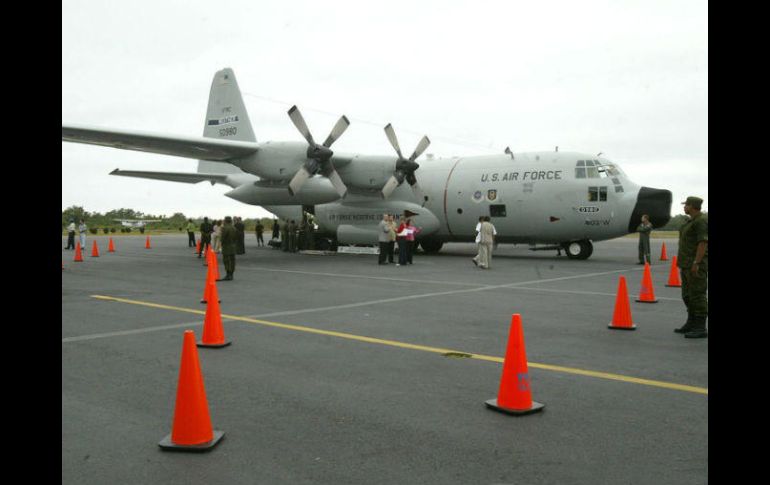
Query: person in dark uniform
pixel 229 239
pixel 692 260
pixel 291 232
pixel 644 229
pixel 302 234
pixel 284 236
pixel 259 230
pixel 276 228
pixel 240 230
pixel 310 234
pixel 71 235
pixel 206 230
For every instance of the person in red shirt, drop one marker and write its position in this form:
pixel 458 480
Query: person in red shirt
pixel 410 245
pixel 401 235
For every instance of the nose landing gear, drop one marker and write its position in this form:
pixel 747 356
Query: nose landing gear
pixel 578 249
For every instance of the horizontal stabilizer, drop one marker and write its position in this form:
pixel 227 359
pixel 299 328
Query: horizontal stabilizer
pixel 200 148
pixel 188 178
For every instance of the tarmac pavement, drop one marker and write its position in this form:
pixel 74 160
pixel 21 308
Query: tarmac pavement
pixel 337 372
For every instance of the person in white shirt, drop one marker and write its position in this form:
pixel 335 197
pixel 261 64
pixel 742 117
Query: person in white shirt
pixel 478 241
pixel 216 241
pixel 82 228
pixel 487 232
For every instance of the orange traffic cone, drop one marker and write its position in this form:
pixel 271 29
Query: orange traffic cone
pixel 95 251
pixel 213 262
pixel 647 293
pixel 621 319
pixel 514 396
pixel 207 286
pixel 663 255
pixel 147 244
pixel 213 332
pixel 111 247
pixel 197 248
pixel 673 276
pixel 78 253
pixel 192 424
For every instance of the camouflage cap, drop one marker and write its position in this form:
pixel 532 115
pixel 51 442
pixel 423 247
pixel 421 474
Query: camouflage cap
pixel 694 201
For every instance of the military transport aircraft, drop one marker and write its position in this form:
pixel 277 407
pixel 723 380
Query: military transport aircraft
pixel 548 200
pixel 135 222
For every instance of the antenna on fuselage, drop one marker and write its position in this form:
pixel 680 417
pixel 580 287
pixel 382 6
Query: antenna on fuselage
pixel 557 148
pixel 599 154
pixel 509 152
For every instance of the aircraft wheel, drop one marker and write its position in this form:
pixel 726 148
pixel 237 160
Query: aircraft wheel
pixel 579 249
pixel 431 246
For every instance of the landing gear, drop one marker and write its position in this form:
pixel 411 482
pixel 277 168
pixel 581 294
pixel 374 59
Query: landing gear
pixel 578 249
pixel 431 245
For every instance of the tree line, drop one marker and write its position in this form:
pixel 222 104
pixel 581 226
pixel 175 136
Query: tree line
pixel 177 222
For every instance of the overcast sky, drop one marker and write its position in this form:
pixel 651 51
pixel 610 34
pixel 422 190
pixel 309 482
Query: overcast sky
pixel 626 78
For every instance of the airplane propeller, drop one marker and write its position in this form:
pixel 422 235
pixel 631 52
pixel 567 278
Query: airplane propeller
pixel 405 168
pixel 318 156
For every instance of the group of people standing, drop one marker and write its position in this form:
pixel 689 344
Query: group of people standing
pixel 225 237
pixel 211 234
pixel 294 237
pixel 692 261
pixel 81 229
pixel 485 239
pixel 391 233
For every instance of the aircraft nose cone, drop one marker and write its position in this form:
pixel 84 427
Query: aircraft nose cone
pixel 656 203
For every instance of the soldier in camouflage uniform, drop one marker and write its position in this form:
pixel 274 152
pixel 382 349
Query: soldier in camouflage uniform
pixel 229 239
pixel 692 260
pixel 206 230
pixel 644 229
pixel 285 236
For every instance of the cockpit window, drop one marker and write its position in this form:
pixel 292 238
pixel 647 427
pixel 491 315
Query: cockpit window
pixel 588 169
pixel 597 194
pixel 602 170
pixel 612 170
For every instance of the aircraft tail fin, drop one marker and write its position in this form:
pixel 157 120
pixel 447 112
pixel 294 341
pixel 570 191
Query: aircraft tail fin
pixel 226 118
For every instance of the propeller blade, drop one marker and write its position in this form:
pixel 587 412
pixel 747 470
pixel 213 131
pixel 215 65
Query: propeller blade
pixel 298 180
pixel 418 193
pixel 338 130
pixel 393 140
pixel 420 148
pixel 299 122
pixel 336 181
pixel 389 187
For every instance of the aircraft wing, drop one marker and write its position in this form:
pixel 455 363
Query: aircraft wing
pixel 200 148
pixel 188 178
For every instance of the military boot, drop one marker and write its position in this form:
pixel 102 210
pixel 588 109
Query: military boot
pixel 687 326
pixel 698 329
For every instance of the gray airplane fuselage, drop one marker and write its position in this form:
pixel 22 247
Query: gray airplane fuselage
pixel 534 198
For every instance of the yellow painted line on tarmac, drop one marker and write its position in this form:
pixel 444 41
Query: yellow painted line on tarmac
pixel 605 375
pixel 424 348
